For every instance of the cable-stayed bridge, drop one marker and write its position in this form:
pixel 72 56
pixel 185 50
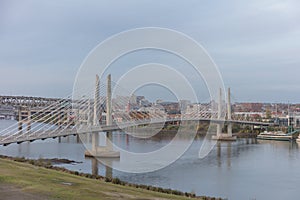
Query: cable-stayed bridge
pixel 96 110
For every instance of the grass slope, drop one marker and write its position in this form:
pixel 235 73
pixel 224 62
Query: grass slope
pixel 51 184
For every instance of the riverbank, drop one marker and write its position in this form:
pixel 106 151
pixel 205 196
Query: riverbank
pixel 171 133
pixel 36 179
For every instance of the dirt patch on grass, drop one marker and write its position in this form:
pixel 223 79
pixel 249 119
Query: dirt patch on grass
pixel 11 192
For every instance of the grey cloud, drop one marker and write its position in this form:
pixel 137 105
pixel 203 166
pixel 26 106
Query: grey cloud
pixel 241 36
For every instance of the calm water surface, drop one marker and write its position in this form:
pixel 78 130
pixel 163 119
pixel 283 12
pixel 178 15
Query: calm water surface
pixel 245 169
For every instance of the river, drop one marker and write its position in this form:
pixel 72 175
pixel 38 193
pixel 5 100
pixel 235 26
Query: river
pixel 245 169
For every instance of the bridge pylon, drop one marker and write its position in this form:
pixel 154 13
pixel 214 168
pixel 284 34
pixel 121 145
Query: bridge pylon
pixel 96 101
pixel 95 135
pixel 229 124
pixel 224 136
pixel 106 151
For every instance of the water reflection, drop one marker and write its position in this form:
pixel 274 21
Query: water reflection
pixel 226 146
pixel 96 164
pixel 228 154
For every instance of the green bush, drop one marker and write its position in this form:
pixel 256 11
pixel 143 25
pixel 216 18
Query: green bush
pixel 107 179
pixel 116 181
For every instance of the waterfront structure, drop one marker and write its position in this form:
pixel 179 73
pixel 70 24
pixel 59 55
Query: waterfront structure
pixel 89 116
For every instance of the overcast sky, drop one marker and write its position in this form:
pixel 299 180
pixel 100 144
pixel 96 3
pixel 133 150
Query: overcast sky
pixel 255 44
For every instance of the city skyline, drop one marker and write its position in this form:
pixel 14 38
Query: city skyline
pixel 255 44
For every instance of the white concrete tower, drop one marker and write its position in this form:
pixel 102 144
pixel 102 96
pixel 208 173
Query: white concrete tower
pixel 229 126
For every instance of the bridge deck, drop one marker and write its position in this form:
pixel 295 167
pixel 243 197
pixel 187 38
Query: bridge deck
pixel 20 137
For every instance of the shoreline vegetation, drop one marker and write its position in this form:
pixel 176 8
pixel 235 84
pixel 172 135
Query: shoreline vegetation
pixel 202 127
pixel 22 172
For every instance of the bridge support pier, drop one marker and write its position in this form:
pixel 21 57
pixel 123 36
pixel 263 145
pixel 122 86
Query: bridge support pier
pixel 29 120
pixel 224 136
pixel 20 123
